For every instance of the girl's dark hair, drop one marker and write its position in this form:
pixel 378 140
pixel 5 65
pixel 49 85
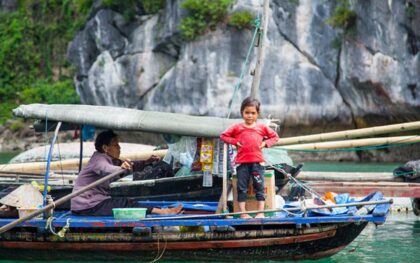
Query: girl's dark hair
pixel 250 102
pixel 104 138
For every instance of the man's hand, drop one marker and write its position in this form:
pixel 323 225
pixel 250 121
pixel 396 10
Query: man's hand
pixel 126 165
pixel 263 145
pixel 153 158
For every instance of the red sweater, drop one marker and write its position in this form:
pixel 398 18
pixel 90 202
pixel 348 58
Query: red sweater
pixel 250 139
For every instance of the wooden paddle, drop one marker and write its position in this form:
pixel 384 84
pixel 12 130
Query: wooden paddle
pixel 59 201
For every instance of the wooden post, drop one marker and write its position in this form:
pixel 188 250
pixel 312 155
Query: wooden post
pixel 260 58
pixel 222 204
pixel 224 193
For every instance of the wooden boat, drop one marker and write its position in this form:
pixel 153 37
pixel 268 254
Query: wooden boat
pixel 171 188
pixel 202 236
pixel 188 188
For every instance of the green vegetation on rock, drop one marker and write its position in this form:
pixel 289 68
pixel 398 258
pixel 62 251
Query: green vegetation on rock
pixel 203 16
pixel 410 11
pixel 153 6
pixel 33 52
pixel 345 19
pixel 128 7
pixel 241 19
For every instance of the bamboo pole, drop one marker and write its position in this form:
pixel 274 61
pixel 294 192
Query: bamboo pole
pixel 351 143
pixel 349 134
pixel 71 163
pixel 59 202
pixel 261 51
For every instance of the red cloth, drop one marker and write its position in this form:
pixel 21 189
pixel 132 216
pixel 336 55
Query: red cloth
pixel 250 139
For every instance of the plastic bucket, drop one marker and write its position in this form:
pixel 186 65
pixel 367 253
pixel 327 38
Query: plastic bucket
pixel 129 213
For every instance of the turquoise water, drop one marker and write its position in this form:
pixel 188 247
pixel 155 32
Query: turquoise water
pixel 350 167
pixel 398 240
pixel 6 156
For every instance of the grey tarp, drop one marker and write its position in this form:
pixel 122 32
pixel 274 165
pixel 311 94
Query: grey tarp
pixel 127 119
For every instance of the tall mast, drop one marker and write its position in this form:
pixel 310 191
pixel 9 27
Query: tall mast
pixel 260 58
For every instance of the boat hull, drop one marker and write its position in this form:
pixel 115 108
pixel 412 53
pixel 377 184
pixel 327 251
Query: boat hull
pixel 285 243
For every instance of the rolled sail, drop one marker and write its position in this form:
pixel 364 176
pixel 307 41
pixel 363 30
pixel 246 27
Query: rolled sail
pixel 127 119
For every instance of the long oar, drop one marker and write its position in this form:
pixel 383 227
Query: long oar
pixel 390 201
pixel 59 201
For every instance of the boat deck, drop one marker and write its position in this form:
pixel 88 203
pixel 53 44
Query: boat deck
pixel 61 218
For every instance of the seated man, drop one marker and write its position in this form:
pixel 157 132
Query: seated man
pixel 97 201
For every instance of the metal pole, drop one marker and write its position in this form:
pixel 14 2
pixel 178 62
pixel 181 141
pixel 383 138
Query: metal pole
pixel 47 171
pixel 81 148
pixel 260 58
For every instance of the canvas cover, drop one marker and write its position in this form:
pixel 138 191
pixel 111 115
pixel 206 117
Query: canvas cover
pixel 128 119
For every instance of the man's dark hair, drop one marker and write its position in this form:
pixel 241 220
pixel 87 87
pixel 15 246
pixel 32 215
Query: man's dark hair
pixel 250 102
pixel 104 138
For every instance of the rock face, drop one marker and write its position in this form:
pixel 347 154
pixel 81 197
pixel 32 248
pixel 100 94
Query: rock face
pixel 372 78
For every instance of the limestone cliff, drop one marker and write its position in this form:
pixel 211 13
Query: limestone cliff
pixel 372 77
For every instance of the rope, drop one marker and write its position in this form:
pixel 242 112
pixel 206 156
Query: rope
pixel 160 254
pixel 60 233
pixel 307 188
pixel 63 231
pixel 245 64
pixel 402 174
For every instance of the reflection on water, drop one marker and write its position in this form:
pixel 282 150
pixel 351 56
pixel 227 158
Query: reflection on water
pixel 398 240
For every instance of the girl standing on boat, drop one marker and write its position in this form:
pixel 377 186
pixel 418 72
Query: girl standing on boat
pixel 97 201
pixel 250 137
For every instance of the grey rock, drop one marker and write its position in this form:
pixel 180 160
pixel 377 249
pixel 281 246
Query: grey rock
pixel 373 78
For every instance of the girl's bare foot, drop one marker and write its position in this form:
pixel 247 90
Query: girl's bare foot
pixel 260 215
pixel 245 216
